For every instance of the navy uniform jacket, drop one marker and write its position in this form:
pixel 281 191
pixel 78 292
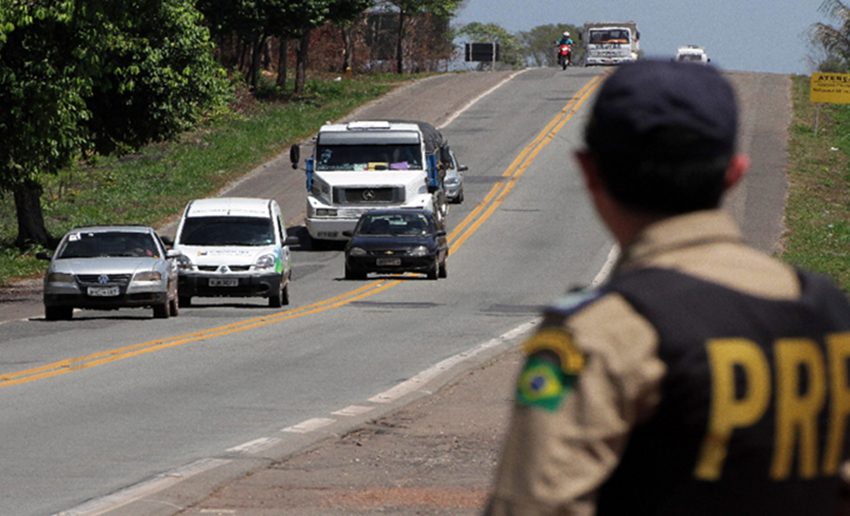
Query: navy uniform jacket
pixel 704 378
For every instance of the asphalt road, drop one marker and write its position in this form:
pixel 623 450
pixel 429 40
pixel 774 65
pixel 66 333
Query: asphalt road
pixel 115 399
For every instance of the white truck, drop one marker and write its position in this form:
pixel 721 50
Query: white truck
pixel 610 43
pixel 364 165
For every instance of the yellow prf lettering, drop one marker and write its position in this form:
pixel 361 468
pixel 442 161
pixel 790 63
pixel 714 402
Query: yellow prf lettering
pixel 839 352
pixel 796 413
pixel 727 411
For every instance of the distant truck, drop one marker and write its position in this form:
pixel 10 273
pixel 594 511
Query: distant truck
pixel 610 43
pixel 365 165
pixel 692 54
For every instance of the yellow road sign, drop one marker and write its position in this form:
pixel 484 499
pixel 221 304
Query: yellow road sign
pixel 832 88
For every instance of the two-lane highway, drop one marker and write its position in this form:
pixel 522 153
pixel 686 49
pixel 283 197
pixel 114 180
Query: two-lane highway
pixel 111 399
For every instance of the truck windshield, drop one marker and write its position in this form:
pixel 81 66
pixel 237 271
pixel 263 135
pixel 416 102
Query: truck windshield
pixel 609 36
pixel 246 231
pixel 368 157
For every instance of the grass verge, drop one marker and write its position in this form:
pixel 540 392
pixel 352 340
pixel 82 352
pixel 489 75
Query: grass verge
pixel 817 212
pixel 154 184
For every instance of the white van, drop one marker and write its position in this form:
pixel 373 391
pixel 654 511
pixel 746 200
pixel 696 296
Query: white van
pixel 233 247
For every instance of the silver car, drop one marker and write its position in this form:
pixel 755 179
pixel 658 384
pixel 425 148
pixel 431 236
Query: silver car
pixel 110 267
pixel 454 181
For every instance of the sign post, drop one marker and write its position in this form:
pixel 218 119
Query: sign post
pixel 828 88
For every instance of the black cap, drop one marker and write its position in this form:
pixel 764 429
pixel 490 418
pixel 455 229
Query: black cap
pixel 664 111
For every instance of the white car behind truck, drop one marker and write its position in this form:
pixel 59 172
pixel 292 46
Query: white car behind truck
pixel 610 43
pixel 364 165
pixel 692 54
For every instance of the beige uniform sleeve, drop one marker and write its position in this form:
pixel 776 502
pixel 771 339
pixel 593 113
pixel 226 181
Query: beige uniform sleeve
pixel 554 461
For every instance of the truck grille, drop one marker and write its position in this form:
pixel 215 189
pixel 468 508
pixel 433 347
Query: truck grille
pixel 379 195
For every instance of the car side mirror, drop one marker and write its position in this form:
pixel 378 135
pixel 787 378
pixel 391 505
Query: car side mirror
pixel 173 253
pixel 441 232
pixel 291 240
pixel 43 256
pixel 462 168
pixel 348 233
pixel 295 155
pixel 167 240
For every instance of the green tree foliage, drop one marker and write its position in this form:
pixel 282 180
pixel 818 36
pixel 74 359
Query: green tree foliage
pixel 834 40
pixel 511 51
pixel 539 43
pixel 83 74
pixel 42 104
pixel 156 73
pixel 407 8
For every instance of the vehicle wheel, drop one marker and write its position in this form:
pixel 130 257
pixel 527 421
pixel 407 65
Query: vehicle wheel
pixel 162 311
pixel 281 297
pixel 58 313
pixel 460 197
pixel 351 274
pixel 173 307
pixel 442 272
pixel 433 272
pixel 184 301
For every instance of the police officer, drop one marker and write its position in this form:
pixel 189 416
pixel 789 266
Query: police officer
pixel 704 377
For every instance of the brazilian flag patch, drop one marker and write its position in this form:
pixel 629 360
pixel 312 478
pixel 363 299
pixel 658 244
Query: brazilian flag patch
pixel 550 370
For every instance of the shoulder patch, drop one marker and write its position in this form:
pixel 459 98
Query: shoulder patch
pixel 550 371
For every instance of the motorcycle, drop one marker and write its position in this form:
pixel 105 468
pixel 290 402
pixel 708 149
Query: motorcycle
pixel 565 56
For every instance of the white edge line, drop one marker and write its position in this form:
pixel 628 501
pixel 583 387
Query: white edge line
pixel 472 102
pixel 309 425
pixel 413 384
pixel 255 446
pixel 145 488
pixel 352 410
pixel 607 267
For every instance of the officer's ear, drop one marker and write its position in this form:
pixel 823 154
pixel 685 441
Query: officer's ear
pixel 738 166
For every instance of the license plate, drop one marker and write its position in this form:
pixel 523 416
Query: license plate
pixel 224 282
pixel 388 261
pixel 103 291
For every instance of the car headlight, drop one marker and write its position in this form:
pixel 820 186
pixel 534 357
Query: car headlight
pixel 60 277
pixel 419 251
pixel 357 251
pixel 184 263
pixel 148 276
pixel 265 262
pixel 325 212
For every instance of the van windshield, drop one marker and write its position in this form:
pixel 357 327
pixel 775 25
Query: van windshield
pixel 368 157
pixel 244 231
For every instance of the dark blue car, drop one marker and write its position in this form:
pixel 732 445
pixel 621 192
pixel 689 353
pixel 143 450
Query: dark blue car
pixel 394 241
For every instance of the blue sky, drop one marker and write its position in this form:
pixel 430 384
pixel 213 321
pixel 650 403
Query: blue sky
pixel 750 35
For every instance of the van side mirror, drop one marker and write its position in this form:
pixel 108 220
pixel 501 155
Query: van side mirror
pixel 295 155
pixel 291 240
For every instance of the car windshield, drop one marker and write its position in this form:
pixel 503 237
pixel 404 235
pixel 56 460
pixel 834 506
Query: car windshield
pixel 403 224
pixel 368 157
pixel 108 243
pixel 242 231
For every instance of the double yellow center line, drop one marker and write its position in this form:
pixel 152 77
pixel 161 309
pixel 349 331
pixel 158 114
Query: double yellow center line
pixel 457 237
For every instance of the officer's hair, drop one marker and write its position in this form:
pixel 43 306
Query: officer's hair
pixel 662 177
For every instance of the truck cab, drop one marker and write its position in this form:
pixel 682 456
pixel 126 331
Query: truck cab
pixel 610 43
pixel 692 54
pixel 364 165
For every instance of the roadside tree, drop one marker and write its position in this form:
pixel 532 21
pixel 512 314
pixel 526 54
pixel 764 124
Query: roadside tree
pixel 408 8
pixel 834 40
pixel 83 75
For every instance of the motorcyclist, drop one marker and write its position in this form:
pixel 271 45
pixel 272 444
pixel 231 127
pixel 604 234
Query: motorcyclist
pixel 565 40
